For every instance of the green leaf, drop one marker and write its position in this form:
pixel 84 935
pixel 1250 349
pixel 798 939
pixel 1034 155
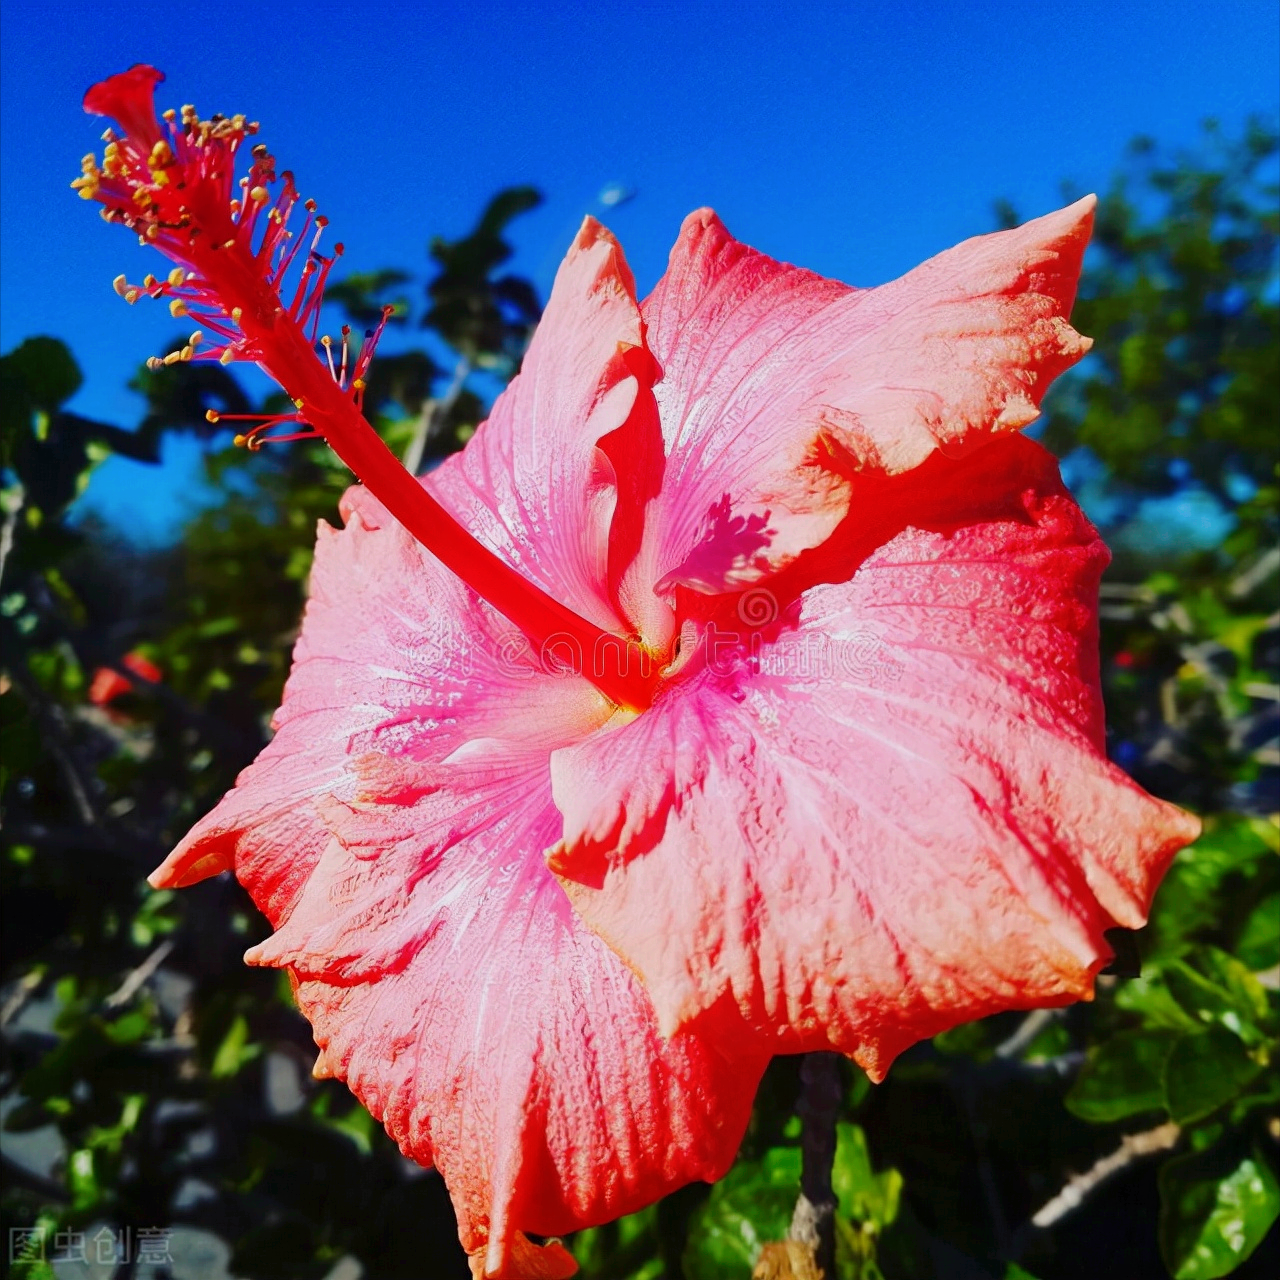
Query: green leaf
pixel 748 1208
pixel 1149 997
pixel 82 1179
pixel 1122 1077
pixel 235 1051
pixel 863 1194
pixel 625 1247
pixel 1225 994
pixel 1216 1207
pixel 1258 945
pixel 1203 1072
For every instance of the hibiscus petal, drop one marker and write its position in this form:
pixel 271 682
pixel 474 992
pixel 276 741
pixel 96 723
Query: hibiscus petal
pixel 532 483
pixel 447 979
pixel 512 1048
pixel 778 383
pixel 896 816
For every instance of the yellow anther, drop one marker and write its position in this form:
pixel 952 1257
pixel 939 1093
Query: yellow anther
pixel 195 340
pixel 154 362
pixel 177 276
pixel 236 313
pixel 149 281
pixel 239 440
pixel 173 357
pixel 211 415
pixel 177 308
pixel 121 286
pixel 227 356
pixel 259 195
pixel 132 294
pixel 358 384
pixel 170 115
pixel 297 404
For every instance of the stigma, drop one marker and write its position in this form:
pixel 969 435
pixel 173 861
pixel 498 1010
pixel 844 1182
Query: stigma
pixel 173 181
pixel 255 286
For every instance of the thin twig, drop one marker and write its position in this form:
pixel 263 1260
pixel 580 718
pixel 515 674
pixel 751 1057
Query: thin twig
pixel 57 738
pixel 12 506
pixel 1030 1027
pixel 1135 1147
pixel 136 977
pixel 22 991
pixel 434 412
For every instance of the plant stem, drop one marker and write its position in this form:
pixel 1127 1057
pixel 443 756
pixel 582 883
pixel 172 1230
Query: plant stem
pixel 814 1220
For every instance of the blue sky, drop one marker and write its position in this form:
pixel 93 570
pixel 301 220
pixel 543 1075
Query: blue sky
pixel 855 139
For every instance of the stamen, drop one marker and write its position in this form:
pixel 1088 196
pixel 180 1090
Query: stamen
pixel 175 186
pixel 255 437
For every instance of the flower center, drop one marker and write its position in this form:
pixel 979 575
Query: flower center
pixel 176 187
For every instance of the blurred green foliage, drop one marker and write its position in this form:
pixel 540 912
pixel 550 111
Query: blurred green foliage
pixel 149 1078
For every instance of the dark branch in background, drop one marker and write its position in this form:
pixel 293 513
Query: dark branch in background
pixel 814 1221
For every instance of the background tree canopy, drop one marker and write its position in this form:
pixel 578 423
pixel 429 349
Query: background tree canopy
pixel 150 1079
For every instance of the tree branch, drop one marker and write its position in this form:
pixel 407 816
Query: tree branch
pixel 814 1221
pixel 1135 1147
pixel 433 413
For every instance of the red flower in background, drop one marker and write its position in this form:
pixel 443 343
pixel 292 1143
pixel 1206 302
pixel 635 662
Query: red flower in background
pixel 107 684
pixel 744 699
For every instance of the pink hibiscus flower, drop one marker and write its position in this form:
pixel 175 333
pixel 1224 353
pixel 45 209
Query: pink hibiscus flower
pixel 733 692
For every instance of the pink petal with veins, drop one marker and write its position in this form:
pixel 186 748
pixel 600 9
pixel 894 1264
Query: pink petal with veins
pixel 778 384
pixel 394 833
pixel 891 813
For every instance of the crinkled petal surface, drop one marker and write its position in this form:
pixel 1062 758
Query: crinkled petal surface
pixel 549 944
pixel 394 833
pixel 891 812
pixel 777 384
